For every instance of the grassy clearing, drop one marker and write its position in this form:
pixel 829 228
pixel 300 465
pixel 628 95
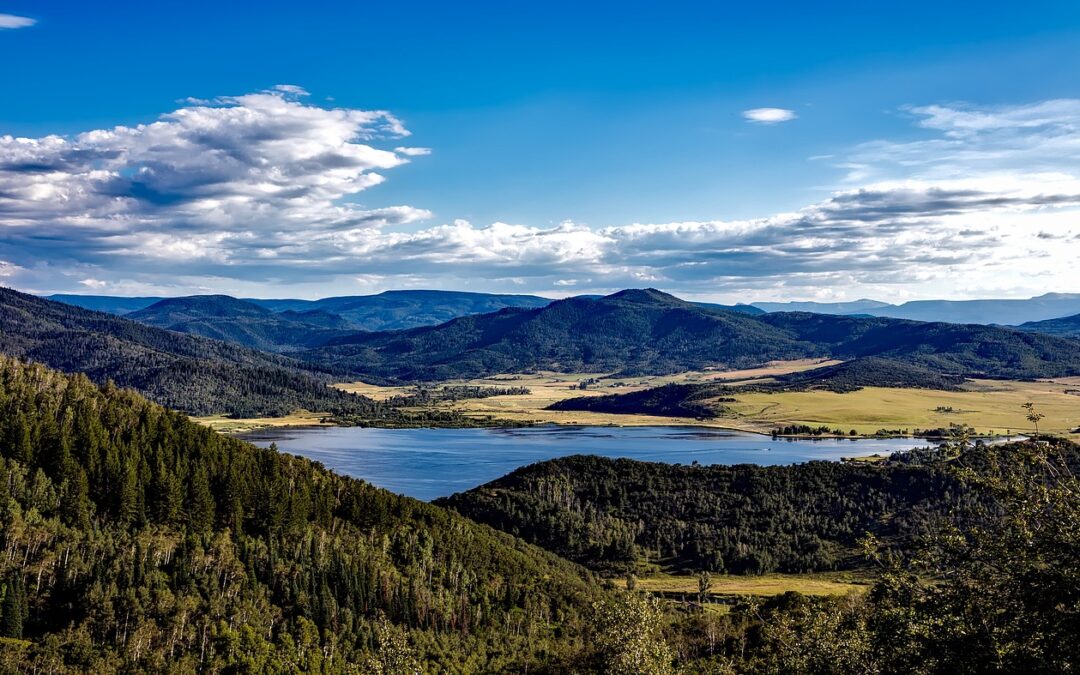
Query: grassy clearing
pixel 300 418
pixel 724 586
pixel 546 388
pixel 986 405
pixel 989 406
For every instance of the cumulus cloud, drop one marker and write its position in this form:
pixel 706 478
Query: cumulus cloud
pixel 235 170
pixel 769 115
pixel 255 195
pixel 9 21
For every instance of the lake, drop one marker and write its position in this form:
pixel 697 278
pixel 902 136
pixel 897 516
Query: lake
pixel 430 463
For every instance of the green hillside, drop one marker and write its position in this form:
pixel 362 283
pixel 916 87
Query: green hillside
pixel 1068 326
pixel 648 332
pixel 185 372
pixel 138 541
pixel 221 317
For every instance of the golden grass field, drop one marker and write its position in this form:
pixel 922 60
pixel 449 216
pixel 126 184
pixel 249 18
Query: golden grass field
pixel 989 406
pixel 300 418
pixel 838 583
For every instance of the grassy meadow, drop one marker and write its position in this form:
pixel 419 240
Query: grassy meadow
pixel 989 406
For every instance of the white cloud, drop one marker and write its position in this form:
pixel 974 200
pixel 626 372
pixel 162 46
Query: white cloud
pixel 255 195
pixel 12 21
pixel 8 269
pixel 291 89
pixel 769 115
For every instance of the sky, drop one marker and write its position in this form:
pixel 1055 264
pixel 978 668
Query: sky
pixel 718 151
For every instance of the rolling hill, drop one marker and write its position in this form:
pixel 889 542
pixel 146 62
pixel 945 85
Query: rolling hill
pixel 646 331
pixel 149 544
pixel 633 331
pixel 395 310
pixel 222 317
pixel 185 372
pixel 743 519
pixel 970 350
pixel 1068 326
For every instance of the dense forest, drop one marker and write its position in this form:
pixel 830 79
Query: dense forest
pixel 183 372
pixel 135 539
pixel 646 331
pixel 744 519
pixel 1067 326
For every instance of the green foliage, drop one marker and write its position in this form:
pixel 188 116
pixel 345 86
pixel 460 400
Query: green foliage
pixel 742 519
pixel 628 636
pixel 134 540
pixel 995 592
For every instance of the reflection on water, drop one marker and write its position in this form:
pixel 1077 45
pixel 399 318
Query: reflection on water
pixel 430 463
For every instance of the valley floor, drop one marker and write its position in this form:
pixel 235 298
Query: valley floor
pixel 991 407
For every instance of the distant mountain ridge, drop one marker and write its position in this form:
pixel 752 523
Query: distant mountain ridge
pixel 648 331
pixel 396 310
pixel 222 317
pixel 1008 312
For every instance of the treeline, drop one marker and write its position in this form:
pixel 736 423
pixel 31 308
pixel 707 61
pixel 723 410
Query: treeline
pixel 745 519
pixel 669 400
pixel 135 540
pixel 458 392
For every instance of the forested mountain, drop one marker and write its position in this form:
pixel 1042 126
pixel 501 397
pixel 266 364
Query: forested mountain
pixel 646 331
pixel 1068 326
pixel 225 318
pixel 705 399
pixel 394 310
pixel 1009 312
pixel 747 519
pixel 137 541
pixel 185 372
pixel 954 349
pixel 978 553
pixel 634 331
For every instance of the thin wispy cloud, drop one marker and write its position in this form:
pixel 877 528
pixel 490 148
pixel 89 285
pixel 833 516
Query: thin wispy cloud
pixel 769 115
pixel 257 195
pixel 10 21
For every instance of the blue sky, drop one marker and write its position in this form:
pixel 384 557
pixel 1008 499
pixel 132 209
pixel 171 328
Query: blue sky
pixel 552 130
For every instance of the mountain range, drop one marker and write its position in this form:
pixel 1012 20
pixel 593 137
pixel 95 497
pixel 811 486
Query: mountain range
pixel 1009 312
pixel 395 310
pixel 225 318
pixel 390 310
pixel 648 331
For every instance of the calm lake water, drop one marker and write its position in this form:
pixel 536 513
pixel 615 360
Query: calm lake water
pixel 430 463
